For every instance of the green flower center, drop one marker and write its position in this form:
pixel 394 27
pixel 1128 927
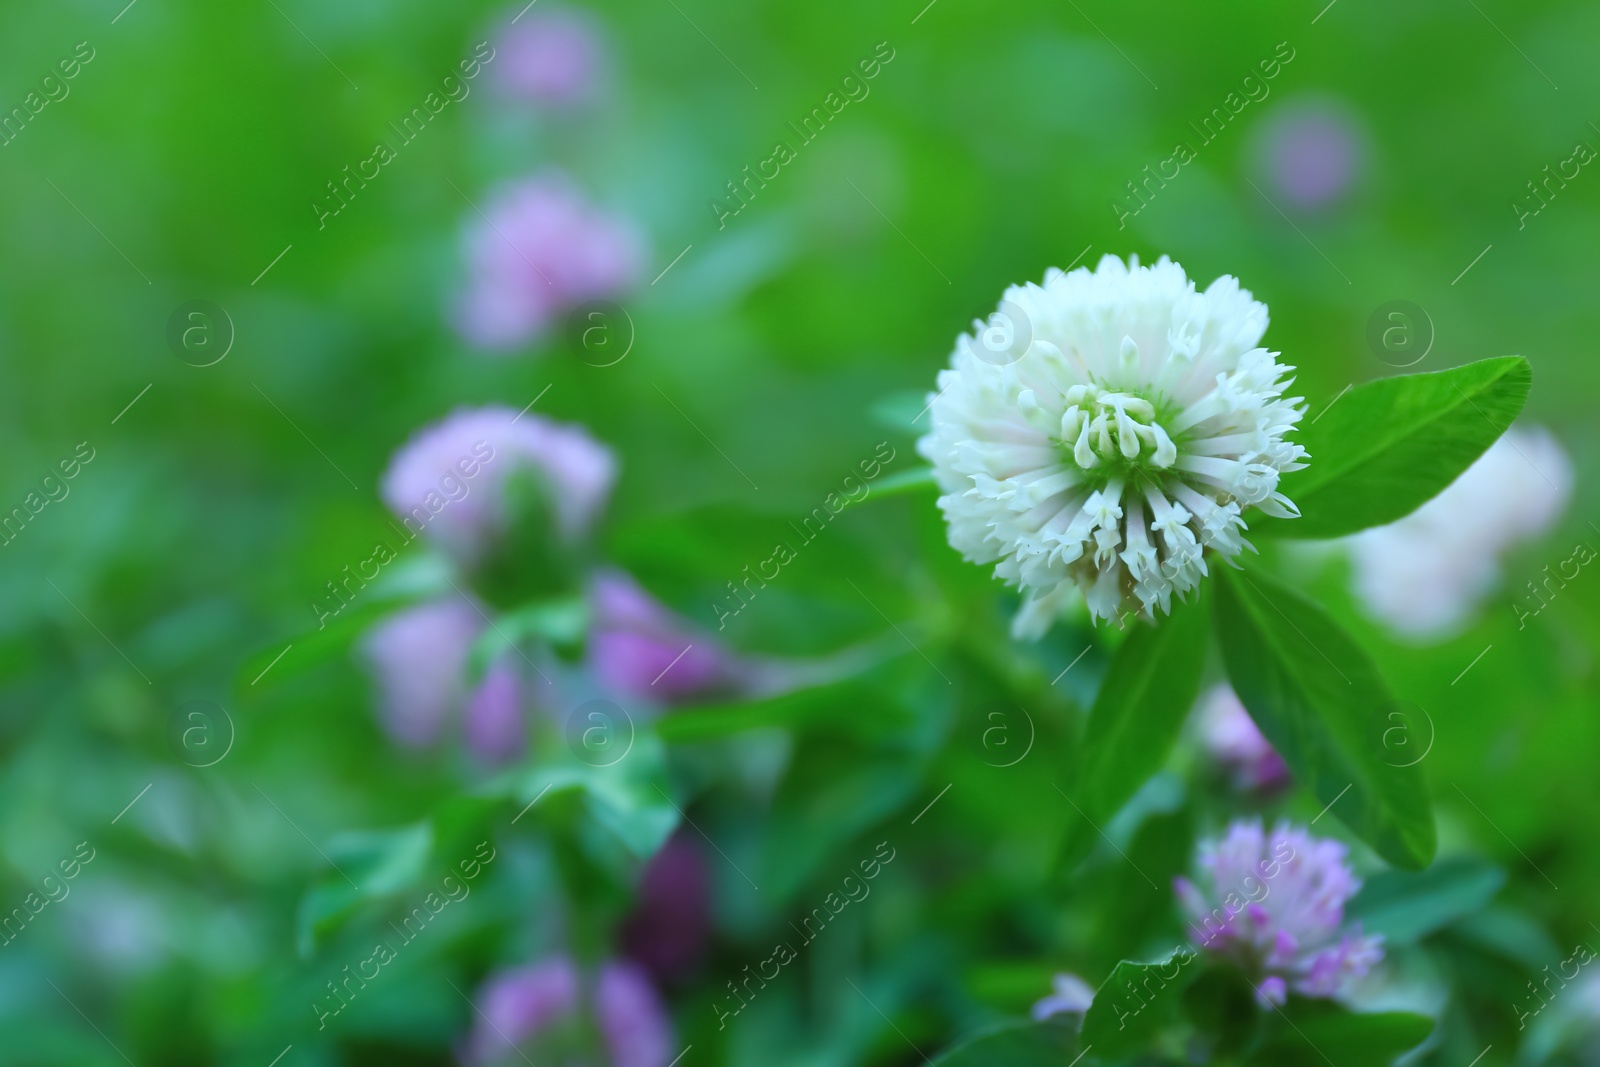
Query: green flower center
pixel 1110 433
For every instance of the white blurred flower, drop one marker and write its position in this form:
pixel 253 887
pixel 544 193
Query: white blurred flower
pixel 1586 997
pixel 1070 995
pixel 1425 574
pixel 124 929
pixel 1105 429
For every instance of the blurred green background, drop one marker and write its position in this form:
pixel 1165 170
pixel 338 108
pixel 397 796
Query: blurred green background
pixel 776 353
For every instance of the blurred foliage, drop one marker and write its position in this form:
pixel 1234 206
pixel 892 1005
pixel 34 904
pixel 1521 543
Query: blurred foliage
pixel 220 499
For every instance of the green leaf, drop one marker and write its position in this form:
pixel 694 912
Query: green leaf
pixel 1405 907
pixel 1147 694
pixel 1319 699
pixel 1133 1006
pixel 1132 890
pixel 1008 984
pixel 905 482
pixel 916 480
pixel 830 695
pixel 901 410
pixel 417 579
pixel 627 796
pixel 1046 1044
pixel 844 778
pixel 313 648
pixel 1388 446
pixel 1221 1003
pixel 815 813
pixel 1510 934
pixel 369 865
pixel 562 622
pixel 795 709
pixel 1323 1032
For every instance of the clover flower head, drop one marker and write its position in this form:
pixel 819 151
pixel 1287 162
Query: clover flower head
pixel 1235 743
pixel 1425 574
pixel 552 58
pixel 641 650
pixel 515 1004
pixel 670 926
pixel 1274 905
pixel 538 249
pixel 417 657
pixel 492 721
pixel 1312 154
pixel 1105 431
pixel 450 476
pixel 518 1004
pixel 633 1022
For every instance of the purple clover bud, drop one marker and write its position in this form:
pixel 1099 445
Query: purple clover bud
pixel 641 650
pixel 1275 906
pixel 417 656
pixel 1312 154
pixel 493 723
pixel 633 1021
pixel 551 57
pixel 670 924
pixel 514 1005
pixel 449 478
pixel 539 249
pixel 1237 745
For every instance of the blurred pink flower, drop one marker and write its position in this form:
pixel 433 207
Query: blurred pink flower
pixel 493 723
pixel 552 57
pixel 1274 905
pixel 449 478
pixel 671 922
pixel 633 1021
pixel 639 649
pixel 1070 995
pixel 417 657
pixel 514 1005
pixel 1236 744
pixel 539 249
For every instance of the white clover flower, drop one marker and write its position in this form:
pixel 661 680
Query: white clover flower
pixel 1105 429
pixel 1425 574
